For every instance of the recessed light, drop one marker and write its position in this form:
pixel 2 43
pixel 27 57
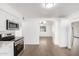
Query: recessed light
pixel 48 5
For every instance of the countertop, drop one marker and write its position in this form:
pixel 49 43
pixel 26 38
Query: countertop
pixel 16 38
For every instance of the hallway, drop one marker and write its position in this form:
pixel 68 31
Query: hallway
pixel 46 48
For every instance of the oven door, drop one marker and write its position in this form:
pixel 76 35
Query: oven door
pixel 18 47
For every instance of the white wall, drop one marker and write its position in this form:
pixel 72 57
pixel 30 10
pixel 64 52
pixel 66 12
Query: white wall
pixel 60 31
pixel 48 32
pixel 64 30
pixel 31 31
pixel 55 32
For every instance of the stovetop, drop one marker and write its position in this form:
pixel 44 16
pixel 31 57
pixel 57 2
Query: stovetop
pixel 10 38
pixel 7 38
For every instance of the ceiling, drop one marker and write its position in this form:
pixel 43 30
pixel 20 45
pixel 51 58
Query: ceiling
pixel 35 10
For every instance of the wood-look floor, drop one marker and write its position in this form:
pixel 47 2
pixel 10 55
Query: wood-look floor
pixel 46 48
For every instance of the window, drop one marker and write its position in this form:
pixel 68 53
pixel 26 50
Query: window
pixel 42 28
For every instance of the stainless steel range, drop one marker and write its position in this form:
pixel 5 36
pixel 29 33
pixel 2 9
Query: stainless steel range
pixel 18 46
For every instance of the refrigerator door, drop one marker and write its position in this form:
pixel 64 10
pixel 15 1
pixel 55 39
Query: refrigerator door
pixel 75 47
pixel 75 29
pixel 75 33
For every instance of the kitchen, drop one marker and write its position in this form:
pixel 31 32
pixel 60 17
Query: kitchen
pixel 11 40
pixel 20 28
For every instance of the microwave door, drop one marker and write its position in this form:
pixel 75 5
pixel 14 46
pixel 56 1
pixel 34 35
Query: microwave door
pixel 11 25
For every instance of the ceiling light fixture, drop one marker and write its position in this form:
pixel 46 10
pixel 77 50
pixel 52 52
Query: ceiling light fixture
pixel 43 22
pixel 48 5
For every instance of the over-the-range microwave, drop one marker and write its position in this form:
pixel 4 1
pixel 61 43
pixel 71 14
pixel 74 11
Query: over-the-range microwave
pixel 10 25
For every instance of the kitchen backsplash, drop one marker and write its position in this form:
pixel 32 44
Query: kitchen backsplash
pixel 4 33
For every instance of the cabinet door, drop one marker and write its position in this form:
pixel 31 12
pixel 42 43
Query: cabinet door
pixel 2 22
pixel 6 48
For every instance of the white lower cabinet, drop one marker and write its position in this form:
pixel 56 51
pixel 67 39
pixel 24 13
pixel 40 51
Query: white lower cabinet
pixel 6 48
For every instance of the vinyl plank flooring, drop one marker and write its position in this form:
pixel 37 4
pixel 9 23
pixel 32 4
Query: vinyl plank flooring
pixel 45 48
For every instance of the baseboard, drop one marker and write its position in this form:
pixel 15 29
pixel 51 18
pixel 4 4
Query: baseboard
pixel 63 46
pixel 31 43
pixel 45 36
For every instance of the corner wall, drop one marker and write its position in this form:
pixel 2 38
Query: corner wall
pixel 31 32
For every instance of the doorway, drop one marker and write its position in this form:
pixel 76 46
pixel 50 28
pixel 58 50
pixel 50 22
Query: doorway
pixel 45 33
